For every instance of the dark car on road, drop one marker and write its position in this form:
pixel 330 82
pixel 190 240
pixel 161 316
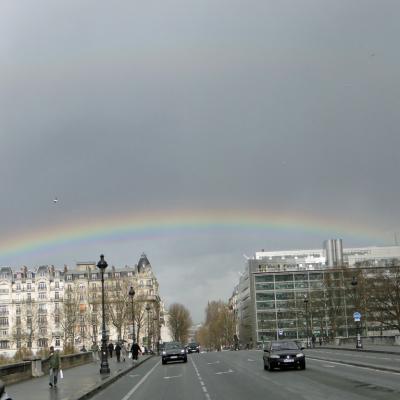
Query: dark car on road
pixel 284 354
pixel 193 348
pixel 173 351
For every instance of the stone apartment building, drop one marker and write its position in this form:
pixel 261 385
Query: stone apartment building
pixel 51 306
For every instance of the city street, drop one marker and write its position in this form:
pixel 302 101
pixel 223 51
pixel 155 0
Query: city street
pixel 239 375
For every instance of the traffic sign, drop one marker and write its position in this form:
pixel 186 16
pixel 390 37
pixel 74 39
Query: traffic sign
pixel 280 331
pixel 357 316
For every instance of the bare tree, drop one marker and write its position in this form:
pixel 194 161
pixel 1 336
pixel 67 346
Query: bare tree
pixel 219 327
pixel 69 315
pixel 179 322
pixel 384 297
pixel 117 304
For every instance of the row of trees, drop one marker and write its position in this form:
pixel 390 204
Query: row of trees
pixel 218 330
pixel 179 322
pixel 374 292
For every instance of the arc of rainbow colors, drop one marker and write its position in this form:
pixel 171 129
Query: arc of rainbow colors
pixel 157 224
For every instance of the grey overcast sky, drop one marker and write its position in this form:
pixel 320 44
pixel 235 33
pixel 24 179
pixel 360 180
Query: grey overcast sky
pixel 280 108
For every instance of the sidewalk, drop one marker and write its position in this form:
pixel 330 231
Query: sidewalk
pixel 77 384
pixel 377 348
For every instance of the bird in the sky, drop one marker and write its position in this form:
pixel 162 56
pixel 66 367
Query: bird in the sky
pixel 55 201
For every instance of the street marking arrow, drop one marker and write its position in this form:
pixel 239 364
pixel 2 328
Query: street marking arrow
pixel 224 372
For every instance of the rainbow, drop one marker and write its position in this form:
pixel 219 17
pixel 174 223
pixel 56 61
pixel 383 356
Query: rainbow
pixel 159 224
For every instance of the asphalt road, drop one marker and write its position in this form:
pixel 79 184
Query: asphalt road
pixel 240 375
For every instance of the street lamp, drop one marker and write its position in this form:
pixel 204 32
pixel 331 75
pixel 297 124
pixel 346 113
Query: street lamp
pixel 148 326
pixel 357 320
pixel 104 368
pixel 307 333
pixel 132 295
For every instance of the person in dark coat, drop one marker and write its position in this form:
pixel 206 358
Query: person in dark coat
pixel 135 350
pixel 118 352
pixel 3 393
pixel 110 349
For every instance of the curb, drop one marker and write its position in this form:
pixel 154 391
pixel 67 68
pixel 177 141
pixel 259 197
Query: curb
pixel 355 364
pixel 108 381
pixel 360 351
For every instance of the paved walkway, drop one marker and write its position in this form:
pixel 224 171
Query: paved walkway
pixel 77 382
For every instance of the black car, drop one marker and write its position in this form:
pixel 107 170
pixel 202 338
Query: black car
pixel 173 351
pixel 284 354
pixel 193 348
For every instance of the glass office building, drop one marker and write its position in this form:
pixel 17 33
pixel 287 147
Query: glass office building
pixel 294 294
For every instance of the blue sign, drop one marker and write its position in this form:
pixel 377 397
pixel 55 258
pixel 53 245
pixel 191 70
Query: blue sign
pixel 357 316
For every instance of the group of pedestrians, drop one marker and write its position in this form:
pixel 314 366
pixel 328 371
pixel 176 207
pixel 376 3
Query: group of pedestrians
pixel 121 351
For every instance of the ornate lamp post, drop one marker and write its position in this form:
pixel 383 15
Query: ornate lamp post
pixel 307 333
pixel 357 321
pixel 104 367
pixel 132 295
pixel 148 326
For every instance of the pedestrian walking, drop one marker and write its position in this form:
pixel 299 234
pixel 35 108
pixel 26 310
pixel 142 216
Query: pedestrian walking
pixel 54 367
pixel 124 352
pixel 110 349
pixel 3 393
pixel 118 352
pixel 320 340
pixel 313 340
pixel 95 351
pixel 135 350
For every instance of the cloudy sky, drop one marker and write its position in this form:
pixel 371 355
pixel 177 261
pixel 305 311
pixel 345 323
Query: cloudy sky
pixel 138 111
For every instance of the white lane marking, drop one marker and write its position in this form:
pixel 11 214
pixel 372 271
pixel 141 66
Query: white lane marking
pixel 211 363
pixel 249 359
pixel 132 376
pixel 329 366
pixel 203 386
pixel 355 366
pixel 224 372
pixel 133 390
pixel 172 377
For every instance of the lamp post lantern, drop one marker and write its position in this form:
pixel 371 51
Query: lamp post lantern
pixel 104 367
pixel 357 320
pixel 307 332
pixel 132 295
pixel 148 326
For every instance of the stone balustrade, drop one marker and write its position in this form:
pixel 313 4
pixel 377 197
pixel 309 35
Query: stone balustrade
pixel 35 366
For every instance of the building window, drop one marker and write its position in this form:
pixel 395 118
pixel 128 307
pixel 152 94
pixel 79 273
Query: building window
pixel 56 306
pixel 4 344
pixel 42 342
pixel 18 321
pixel 18 286
pixel 28 297
pixel 57 295
pixel 56 318
pixel 3 321
pixel 69 277
pixel 42 332
pixel 42 296
pixel 18 310
pixel 3 310
pixel 117 274
pixel 3 332
pixel 57 285
pixel 42 319
pixel 42 308
pixel 18 344
pixel 94 276
pixel 28 286
pixel 42 285
pixel 58 341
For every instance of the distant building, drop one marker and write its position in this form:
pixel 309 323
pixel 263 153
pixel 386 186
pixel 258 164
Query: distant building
pixel 283 293
pixel 51 306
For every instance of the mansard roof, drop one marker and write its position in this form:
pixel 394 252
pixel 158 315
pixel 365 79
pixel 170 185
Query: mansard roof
pixel 143 263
